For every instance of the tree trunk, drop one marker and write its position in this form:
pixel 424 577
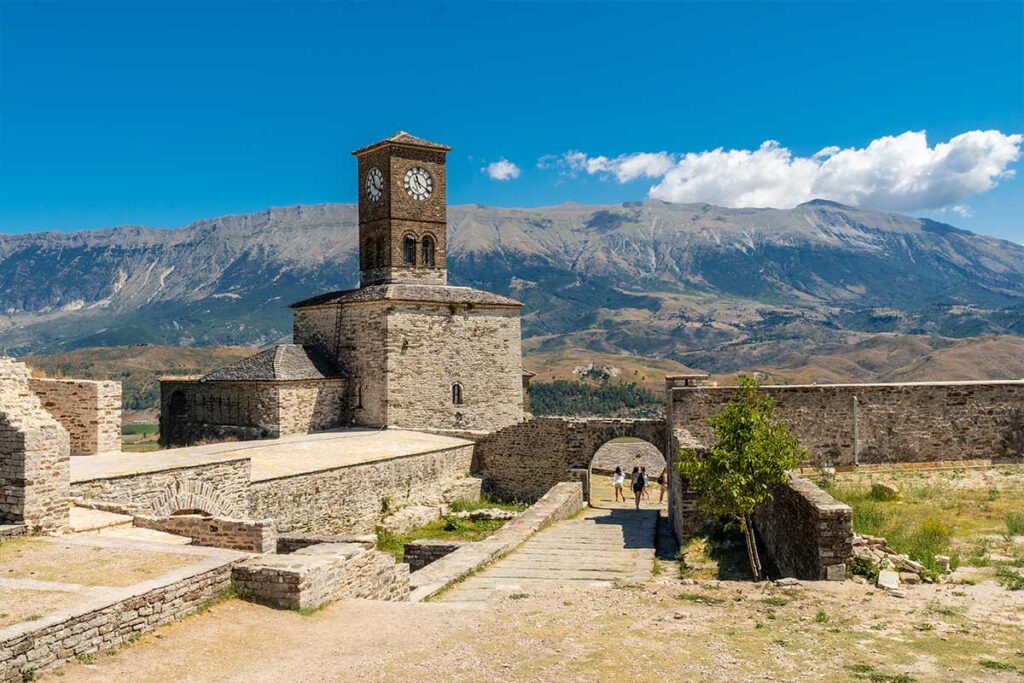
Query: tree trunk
pixel 752 555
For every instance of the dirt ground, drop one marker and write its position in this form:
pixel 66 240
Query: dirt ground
pixel 46 560
pixel 664 629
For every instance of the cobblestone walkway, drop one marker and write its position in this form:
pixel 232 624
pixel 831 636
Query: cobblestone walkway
pixel 602 545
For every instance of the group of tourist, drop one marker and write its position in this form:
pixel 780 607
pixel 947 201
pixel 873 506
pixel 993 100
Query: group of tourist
pixel 639 483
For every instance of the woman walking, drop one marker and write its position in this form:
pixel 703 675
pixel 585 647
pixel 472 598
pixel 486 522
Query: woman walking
pixel 639 482
pixel 662 485
pixel 643 473
pixel 618 479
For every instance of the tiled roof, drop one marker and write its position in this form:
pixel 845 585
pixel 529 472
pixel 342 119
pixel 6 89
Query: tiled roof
pixel 403 138
pixel 281 362
pixel 400 292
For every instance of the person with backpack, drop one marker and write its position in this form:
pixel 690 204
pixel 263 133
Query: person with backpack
pixel 662 484
pixel 639 482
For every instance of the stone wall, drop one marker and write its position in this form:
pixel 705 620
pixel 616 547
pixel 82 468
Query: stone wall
pixel 320 574
pixel 431 347
pixel 805 532
pixel 29 648
pixel 245 535
pixel 355 498
pixel 35 467
pixel 219 488
pixel 355 334
pixel 523 461
pixel 192 411
pixel 418 554
pixel 562 501
pixel 683 515
pixel 894 422
pixel 90 411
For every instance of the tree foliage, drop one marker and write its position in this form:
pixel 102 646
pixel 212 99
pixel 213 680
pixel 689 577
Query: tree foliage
pixel 753 454
pixel 608 398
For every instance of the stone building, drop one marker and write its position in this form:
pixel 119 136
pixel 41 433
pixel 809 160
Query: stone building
pixel 286 389
pixel 410 350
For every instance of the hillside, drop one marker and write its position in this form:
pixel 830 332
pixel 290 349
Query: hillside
pixel 693 285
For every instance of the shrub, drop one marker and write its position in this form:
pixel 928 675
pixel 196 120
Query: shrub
pixel 1015 523
pixel 1011 579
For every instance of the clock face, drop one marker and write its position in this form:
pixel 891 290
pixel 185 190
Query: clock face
pixel 418 183
pixel 374 184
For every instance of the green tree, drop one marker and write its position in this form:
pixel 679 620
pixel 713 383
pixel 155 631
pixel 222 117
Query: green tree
pixel 753 455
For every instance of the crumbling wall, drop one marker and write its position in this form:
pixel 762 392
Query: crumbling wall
pixel 805 532
pixel 35 468
pixel 89 410
pixel 246 535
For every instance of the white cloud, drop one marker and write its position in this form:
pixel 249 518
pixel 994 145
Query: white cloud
pixel 899 173
pixel 503 169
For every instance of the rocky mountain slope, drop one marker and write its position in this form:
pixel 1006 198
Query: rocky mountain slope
pixel 704 286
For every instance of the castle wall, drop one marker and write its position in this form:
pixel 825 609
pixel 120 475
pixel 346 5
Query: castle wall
pixel 524 460
pixel 354 499
pixel 89 410
pixel 312 406
pixel 35 468
pixel 432 346
pixel 361 331
pixel 895 422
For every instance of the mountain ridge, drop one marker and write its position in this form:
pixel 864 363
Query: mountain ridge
pixel 690 282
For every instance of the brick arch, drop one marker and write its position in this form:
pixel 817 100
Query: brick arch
pixel 189 495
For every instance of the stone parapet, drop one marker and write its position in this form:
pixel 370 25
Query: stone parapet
pixel 245 535
pixel 562 501
pixel 89 410
pixel 806 532
pixel 314 576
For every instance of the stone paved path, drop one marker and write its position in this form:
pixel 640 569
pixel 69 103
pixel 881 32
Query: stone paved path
pixel 604 544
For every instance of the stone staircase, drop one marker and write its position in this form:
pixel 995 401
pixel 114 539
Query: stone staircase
pixel 111 524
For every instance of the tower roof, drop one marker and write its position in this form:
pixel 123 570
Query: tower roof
pixel 403 138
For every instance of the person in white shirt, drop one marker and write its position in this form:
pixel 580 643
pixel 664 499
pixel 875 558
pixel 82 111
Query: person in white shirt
pixel 618 480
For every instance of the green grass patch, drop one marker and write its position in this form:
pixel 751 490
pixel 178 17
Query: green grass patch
pixel 997 666
pixel 447 529
pixel 142 429
pixel 1010 578
pixel 1015 523
pixel 485 502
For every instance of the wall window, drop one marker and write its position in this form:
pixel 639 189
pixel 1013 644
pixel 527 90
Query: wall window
pixel 409 250
pixel 457 394
pixel 359 396
pixel 378 255
pixel 428 252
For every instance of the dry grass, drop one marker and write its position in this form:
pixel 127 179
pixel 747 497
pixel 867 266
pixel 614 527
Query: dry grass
pixel 17 605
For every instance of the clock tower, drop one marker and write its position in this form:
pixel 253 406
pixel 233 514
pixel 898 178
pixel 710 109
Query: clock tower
pixel 403 221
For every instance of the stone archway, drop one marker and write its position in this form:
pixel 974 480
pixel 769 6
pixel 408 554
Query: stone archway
pixel 189 495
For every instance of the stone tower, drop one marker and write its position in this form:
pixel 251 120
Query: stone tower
pixel 416 352
pixel 402 211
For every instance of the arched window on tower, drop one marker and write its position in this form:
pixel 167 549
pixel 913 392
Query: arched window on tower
pixel 457 394
pixel 378 253
pixel 428 251
pixel 409 250
pixel 367 254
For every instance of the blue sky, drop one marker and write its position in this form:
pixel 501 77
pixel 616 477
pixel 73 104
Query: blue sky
pixel 159 113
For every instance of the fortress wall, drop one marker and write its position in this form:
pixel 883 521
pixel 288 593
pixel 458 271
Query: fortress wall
pixel 523 461
pixel 89 410
pixel 217 411
pixel 432 346
pixel 355 498
pixel 895 422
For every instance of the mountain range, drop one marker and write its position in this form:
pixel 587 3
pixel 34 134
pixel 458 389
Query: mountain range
pixel 693 285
